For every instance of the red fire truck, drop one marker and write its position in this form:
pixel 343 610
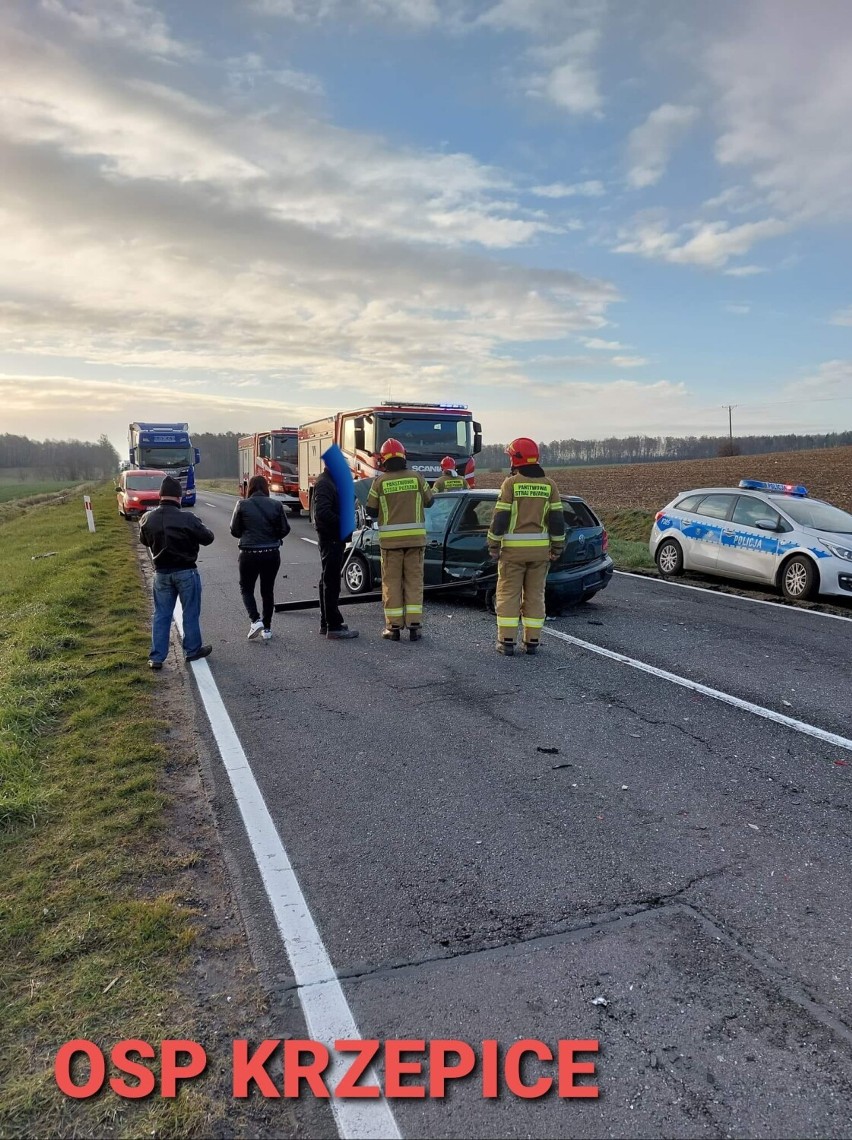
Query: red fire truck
pixel 275 454
pixel 428 432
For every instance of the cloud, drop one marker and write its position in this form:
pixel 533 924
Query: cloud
pixel 418 13
pixel 565 74
pixel 784 83
pixel 831 381
pixel 650 145
pixel 575 190
pixel 707 244
pixel 604 345
pixel 629 361
pixel 842 317
pixel 744 271
pixel 738 310
pixel 132 24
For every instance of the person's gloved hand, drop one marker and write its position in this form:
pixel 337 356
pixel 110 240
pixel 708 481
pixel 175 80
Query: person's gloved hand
pixel 494 553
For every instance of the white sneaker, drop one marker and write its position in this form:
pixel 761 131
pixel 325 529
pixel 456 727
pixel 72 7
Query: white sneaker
pixel 267 635
pixel 254 630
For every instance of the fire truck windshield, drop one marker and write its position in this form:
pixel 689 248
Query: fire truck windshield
pixel 285 449
pixel 166 457
pixel 428 436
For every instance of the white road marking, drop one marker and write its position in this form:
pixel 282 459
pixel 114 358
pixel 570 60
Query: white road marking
pixel 705 690
pixel 725 594
pixel 323 1002
pixel 313 540
pixel 210 504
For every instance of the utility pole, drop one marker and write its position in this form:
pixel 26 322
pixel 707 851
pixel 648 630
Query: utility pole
pixel 730 408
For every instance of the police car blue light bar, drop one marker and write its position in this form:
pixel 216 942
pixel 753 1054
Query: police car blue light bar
pixel 784 488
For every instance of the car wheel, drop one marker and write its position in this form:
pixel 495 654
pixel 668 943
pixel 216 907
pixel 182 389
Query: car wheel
pixel 295 511
pixel 357 575
pixel 798 578
pixel 587 596
pixel 669 559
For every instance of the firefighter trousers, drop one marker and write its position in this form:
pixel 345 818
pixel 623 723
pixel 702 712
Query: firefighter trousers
pixel 402 586
pixel 520 594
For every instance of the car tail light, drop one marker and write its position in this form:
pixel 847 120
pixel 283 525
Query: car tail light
pixel 658 516
pixel 605 543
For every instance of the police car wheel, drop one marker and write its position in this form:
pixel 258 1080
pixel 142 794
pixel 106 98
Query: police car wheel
pixel 357 576
pixel 798 579
pixel 669 558
pixel 295 511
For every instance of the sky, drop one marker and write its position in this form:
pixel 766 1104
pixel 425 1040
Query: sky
pixel 581 218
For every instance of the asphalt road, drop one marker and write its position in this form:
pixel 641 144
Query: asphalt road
pixel 488 845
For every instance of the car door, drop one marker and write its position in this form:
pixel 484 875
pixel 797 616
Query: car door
pixel 466 544
pixel 703 530
pixel 438 518
pixel 747 550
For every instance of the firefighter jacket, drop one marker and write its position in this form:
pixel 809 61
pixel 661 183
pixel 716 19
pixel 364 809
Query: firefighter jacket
pixel 449 483
pixel 397 499
pixel 528 523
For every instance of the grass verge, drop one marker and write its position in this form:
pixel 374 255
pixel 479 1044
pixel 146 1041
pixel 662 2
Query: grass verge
pixel 91 937
pixel 629 531
pixel 23 490
pixel 223 486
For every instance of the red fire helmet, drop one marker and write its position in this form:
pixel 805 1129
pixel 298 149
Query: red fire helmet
pixel 448 463
pixel 522 451
pixel 392 449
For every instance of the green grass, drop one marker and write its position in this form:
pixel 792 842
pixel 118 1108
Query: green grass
pixel 84 897
pixel 9 491
pixel 629 531
pixel 223 486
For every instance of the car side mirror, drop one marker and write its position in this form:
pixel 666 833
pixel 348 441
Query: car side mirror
pixel 477 438
pixel 767 524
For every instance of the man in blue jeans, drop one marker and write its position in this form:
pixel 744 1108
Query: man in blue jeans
pixel 173 536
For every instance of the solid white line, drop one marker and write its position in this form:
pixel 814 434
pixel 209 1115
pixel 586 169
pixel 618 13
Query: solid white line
pixel 725 594
pixel 705 690
pixel 323 1002
pixel 313 540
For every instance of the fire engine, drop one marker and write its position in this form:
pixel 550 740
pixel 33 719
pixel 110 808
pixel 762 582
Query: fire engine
pixel 428 432
pixel 274 454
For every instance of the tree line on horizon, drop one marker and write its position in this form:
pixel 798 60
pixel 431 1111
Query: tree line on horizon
pixel 656 448
pixel 22 458
pixel 65 460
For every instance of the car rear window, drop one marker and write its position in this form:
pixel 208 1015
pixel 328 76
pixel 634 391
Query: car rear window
pixel 716 506
pixel 689 503
pixel 578 514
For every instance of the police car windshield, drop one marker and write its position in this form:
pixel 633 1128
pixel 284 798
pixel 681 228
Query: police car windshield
pixel 813 513
pixel 427 436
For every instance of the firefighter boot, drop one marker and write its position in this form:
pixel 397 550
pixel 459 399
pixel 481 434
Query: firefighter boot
pixel 390 634
pixel 530 647
pixel 506 647
pixel 414 633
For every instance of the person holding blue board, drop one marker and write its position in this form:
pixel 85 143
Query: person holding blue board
pixel 334 519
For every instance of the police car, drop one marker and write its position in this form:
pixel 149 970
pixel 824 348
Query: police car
pixel 771 533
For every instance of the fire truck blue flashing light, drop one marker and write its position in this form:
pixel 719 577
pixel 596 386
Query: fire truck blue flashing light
pixel 783 488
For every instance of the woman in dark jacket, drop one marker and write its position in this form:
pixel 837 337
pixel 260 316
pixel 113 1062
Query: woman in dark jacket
pixel 261 526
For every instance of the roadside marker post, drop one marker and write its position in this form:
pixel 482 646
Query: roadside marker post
pixel 90 517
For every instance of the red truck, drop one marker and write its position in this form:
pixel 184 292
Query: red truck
pixel 428 432
pixel 275 454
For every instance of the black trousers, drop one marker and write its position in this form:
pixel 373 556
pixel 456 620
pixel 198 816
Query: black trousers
pixel 331 557
pixel 263 564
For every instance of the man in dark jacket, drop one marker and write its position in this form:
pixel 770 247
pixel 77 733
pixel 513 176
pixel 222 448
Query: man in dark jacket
pixel 326 503
pixel 261 526
pixel 173 536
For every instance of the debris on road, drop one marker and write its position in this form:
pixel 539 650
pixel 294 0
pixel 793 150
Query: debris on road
pixel 548 751
pixel 599 1001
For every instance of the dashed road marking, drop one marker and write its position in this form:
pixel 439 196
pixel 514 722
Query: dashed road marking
pixel 725 594
pixel 717 694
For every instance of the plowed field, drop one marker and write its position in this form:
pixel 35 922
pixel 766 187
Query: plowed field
pixel 826 473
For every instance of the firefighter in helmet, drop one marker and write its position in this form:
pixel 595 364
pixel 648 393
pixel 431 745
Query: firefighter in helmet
pixel 450 479
pixel 527 533
pixel 397 499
